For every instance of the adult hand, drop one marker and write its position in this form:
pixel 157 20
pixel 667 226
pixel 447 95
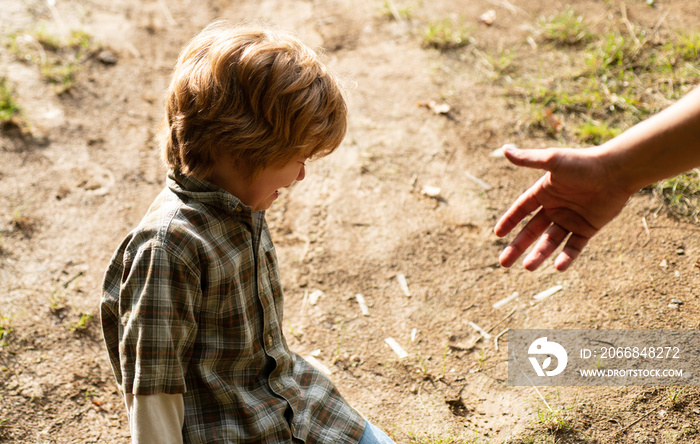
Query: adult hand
pixel 575 198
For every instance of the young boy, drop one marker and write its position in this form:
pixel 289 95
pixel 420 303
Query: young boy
pixel 192 302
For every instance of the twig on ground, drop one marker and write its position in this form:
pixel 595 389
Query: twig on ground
pixel 646 230
pixel 307 246
pixel 394 12
pixel 639 419
pixel 498 336
pixel 56 16
pixel 630 28
pixel 477 181
pixel 509 6
pixel 501 321
pixel 480 330
pixel 651 34
pixel 166 12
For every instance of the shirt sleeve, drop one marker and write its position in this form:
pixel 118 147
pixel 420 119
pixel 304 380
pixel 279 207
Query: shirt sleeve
pixel 155 419
pixel 159 299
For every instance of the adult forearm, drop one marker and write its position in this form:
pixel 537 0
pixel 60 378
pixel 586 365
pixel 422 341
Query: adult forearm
pixel 662 146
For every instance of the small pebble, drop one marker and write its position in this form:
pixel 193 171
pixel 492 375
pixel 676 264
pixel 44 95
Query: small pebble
pixel 107 58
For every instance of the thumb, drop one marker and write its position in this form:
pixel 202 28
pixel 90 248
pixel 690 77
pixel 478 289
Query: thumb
pixel 539 159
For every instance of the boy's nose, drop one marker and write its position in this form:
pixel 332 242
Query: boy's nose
pixel 302 173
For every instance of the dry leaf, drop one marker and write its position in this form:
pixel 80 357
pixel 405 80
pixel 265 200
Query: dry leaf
pixel 403 283
pixel 430 191
pixel 363 305
pixel 400 352
pixel 547 293
pixel 437 108
pixel 488 17
pixel 554 122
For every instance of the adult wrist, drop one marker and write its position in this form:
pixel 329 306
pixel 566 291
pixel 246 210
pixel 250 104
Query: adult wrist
pixel 625 163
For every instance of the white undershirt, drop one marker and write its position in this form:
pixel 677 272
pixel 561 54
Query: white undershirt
pixel 155 419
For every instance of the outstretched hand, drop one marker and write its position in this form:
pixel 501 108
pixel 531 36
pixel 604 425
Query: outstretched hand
pixel 573 200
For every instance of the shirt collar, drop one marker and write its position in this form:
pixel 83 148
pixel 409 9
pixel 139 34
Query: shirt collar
pixel 188 187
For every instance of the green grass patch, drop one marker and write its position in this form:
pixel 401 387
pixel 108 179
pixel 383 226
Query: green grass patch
pixel 680 195
pixel 606 81
pixel 5 330
pixel 81 40
pixel 58 57
pixel 82 323
pixel 446 34
pixel 564 28
pixel 60 73
pixel 554 420
pixel 392 10
pixel 686 46
pixel 499 64
pixel 675 397
pixel 47 39
pixel 8 106
pixel 595 133
pixel 588 86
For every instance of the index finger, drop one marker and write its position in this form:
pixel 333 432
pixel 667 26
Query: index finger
pixel 524 205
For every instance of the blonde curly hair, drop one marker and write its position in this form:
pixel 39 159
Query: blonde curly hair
pixel 255 94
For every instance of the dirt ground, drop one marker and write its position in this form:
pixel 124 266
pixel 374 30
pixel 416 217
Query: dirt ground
pixel 86 166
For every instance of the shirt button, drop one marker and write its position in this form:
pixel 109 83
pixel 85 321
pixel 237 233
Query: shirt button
pixel 238 208
pixel 269 341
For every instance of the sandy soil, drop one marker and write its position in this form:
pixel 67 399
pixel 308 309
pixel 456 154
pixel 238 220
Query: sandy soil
pixel 86 166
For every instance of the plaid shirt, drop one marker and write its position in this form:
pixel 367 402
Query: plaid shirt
pixel 192 304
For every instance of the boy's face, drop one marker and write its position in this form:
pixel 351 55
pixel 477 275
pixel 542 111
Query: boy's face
pixel 264 189
pixel 261 191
